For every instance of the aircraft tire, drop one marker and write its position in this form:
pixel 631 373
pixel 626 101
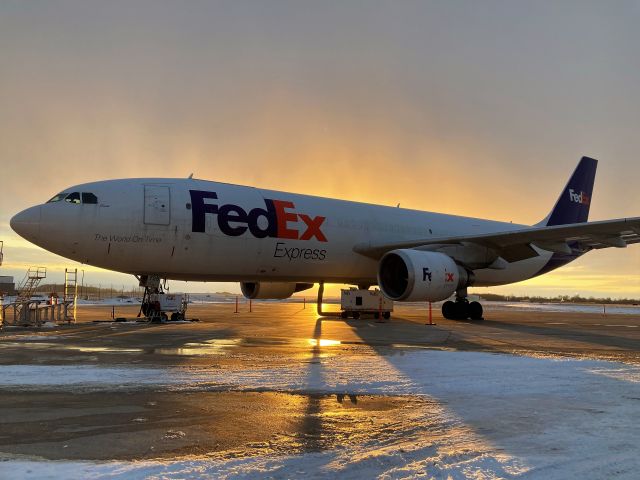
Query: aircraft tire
pixel 387 315
pixel 448 310
pixel 461 310
pixel 475 311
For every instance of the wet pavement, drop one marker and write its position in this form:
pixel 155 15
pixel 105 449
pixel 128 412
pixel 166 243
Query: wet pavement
pixel 141 425
pixel 275 331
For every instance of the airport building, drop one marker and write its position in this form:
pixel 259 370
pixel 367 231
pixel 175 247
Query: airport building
pixel 7 286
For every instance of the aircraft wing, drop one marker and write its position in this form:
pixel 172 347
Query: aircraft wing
pixel 518 244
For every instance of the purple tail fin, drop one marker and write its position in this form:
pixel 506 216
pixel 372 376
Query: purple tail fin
pixel 574 201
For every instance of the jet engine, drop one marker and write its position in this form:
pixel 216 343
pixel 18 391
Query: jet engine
pixel 272 290
pixel 414 275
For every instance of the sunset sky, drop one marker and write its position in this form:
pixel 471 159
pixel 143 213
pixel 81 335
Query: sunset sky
pixel 473 108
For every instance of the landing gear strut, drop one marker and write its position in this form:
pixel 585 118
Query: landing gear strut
pixel 462 309
pixel 319 303
pixel 151 286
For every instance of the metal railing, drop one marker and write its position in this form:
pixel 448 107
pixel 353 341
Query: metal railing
pixel 29 313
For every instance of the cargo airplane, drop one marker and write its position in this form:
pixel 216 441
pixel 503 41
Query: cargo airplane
pixel 277 243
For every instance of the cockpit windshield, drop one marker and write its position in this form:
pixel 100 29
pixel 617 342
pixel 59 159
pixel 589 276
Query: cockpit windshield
pixel 58 197
pixel 73 198
pixel 86 198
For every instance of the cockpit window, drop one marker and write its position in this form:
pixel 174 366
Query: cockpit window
pixel 58 197
pixel 73 198
pixel 89 198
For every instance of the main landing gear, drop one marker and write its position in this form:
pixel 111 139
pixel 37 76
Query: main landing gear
pixel 462 309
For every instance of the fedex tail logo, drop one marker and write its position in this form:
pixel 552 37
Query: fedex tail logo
pixel 279 220
pixel 581 197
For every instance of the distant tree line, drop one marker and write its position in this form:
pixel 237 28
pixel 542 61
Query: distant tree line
pixel 559 299
pixel 92 292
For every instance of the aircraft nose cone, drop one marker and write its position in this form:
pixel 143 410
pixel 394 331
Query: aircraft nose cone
pixel 27 223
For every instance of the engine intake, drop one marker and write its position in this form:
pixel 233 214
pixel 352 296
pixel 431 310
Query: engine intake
pixel 413 275
pixel 272 290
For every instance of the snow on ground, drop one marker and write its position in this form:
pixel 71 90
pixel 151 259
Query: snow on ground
pixel 565 307
pixel 365 463
pixel 501 416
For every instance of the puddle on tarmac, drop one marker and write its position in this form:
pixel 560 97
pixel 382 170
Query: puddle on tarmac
pixel 61 346
pixel 323 342
pixel 214 346
pixel 223 424
pixel 102 349
pixel 218 346
pixel 29 338
pixel 209 347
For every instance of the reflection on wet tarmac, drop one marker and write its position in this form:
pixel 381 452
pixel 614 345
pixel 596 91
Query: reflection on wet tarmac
pixel 352 398
pixel 214 346
pixel 323 342
pixel 62 346
pixel 102 349
pixel 220 346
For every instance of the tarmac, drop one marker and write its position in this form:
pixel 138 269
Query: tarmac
pixel 118 420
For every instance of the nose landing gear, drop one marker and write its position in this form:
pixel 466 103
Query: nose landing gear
pixel 462 309
pixel 157 305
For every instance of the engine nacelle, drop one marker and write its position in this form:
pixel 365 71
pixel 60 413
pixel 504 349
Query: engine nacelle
pixel 414 275
pixel 272 290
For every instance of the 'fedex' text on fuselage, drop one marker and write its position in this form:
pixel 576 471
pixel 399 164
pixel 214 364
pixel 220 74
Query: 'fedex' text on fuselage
pixel 233 220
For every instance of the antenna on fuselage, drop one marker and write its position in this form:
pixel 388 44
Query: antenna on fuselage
pixel 190 176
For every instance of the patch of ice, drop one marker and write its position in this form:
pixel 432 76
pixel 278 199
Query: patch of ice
pixel 627 373
pixel 30 338
pixel 565 307
pixel 173 434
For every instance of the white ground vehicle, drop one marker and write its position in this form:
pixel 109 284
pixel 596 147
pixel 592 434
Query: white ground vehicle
pixel 162 306
pixel 355 302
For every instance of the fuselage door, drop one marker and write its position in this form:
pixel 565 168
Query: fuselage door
pixel 157 205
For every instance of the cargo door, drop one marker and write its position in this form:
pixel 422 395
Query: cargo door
pixel 157 205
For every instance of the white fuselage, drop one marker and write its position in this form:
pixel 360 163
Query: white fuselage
pixel 158 226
